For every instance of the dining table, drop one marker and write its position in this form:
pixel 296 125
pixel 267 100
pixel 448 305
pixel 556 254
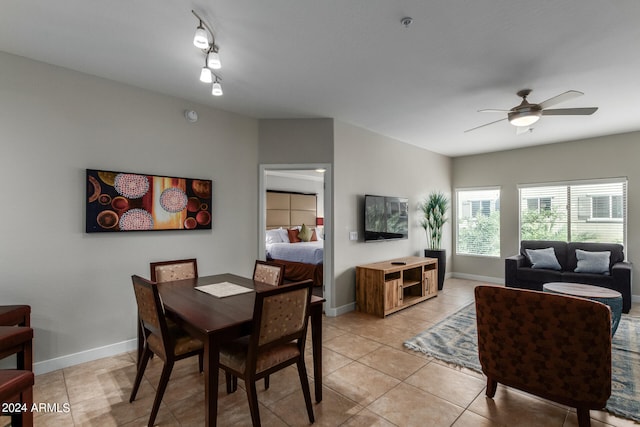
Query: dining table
pixel 214 320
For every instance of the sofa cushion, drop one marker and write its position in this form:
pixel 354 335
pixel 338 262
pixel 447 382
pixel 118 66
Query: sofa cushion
pixel 544 258
pixel 592 262
pixel 616 249
pixel 540 275
pixel 560 248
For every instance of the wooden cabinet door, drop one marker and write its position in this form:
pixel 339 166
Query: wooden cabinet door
pixel 430 282
pixel 392 294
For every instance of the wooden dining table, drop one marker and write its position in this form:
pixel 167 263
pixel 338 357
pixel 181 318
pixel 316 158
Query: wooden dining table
pixel 214 320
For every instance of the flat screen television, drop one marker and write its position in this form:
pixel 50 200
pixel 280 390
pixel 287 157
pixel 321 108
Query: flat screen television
pixel 385 218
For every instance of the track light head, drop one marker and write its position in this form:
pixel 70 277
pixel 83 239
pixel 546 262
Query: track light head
pixel 213 59
pixel 206 75
pixel 216 88
pixel 201 38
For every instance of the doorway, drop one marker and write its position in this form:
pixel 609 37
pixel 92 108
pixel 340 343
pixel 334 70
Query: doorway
pixel 302 178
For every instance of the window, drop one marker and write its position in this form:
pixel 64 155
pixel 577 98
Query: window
pixel 581 211
pixel 478 222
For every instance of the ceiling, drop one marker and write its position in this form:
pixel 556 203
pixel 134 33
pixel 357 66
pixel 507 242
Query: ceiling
pixel 355 62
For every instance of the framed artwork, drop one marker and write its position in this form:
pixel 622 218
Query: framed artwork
pixel 122 201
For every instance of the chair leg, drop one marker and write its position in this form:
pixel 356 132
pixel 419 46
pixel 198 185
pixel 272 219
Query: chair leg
pixel 584 420
pixel 24 418
pixel 304 381
pixel 492 385
pixel 162 386
pixel 146 353
pixel 266 382
pixel 229 379
pixel 252 396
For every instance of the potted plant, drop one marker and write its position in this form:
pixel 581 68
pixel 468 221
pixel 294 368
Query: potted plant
pixel 434 210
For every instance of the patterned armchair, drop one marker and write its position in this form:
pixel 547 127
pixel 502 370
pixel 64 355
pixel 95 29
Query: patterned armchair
pixel 556 347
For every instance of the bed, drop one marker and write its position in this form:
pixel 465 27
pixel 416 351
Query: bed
pixel 287 212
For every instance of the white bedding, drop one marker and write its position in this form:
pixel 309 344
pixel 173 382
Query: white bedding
pixel 306 252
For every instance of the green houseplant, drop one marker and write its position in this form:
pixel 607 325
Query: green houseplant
pixel 434 210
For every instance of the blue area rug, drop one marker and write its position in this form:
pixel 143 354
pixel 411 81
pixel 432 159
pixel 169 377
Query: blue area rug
pixel 454 340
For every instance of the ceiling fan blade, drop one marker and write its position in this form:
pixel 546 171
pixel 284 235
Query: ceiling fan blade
pixel 520 130
pixel 486 124
pixel 570 94
pixel 570 111
pixel 493 110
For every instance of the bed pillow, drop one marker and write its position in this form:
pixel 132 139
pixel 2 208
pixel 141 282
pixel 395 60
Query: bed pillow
pixel 314 236
pixel 592 262
pixel 273 237
pixel 543 258
pixel 284 235
pixel 305 233
pixel 293 235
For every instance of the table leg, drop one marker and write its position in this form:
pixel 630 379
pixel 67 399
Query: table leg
pixel 316 344
pixel 211 368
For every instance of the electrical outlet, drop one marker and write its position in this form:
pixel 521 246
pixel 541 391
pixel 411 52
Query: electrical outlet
pixel 353 235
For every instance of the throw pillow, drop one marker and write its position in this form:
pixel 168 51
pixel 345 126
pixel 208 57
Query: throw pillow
pixel 543 258
pixel 305 233
pixel 314 237
pixel 293 235
pixel 592 262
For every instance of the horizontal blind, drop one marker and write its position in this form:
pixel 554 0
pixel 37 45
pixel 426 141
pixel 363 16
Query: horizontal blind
pixel 478 221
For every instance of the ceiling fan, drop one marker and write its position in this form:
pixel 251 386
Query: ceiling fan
pixel 526 114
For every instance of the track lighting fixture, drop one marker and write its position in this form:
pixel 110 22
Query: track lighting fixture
pixel 205 40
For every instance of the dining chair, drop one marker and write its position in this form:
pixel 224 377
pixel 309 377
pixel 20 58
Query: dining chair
pixel 268 272
pixel 169 343
pixel 280 319
pixel 165 271
pixel 272 274
pixel 16 385
pixel 15 315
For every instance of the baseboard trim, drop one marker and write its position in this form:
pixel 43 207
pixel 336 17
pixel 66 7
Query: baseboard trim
pixel 84 356
pixel 334 312
pixel 496 280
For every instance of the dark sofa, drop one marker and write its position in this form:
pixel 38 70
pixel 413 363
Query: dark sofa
pixel 519 274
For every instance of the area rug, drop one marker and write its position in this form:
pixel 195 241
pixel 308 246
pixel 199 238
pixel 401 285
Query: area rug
pixel 454 340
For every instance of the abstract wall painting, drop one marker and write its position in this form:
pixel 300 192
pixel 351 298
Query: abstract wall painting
pixel 121 201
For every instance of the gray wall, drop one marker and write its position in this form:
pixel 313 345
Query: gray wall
pixel 295 141
pixel 369 163
pixel 55 123
pixel 604 157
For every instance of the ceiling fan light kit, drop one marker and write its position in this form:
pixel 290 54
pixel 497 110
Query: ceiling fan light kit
pixel 205 40
pixel 526 114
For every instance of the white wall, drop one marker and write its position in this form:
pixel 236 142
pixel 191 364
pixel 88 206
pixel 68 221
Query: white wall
pixel 54 123
pixel 603 157
pixel 369 163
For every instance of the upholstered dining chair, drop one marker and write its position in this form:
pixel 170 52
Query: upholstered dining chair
pixel 169 343
pixel 165 271
pixel 15 315
pixel 277 340
pixel 16 385
pixel 554 346
pixel 268 272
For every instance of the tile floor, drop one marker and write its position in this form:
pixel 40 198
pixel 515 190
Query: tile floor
pixel 370 379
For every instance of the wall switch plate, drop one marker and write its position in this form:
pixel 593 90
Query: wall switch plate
pixel 353 235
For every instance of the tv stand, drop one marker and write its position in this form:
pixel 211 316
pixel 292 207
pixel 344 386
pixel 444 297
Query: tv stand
pixel 385 287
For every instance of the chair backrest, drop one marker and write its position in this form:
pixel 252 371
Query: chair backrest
pixel 269 273
pixel 555 346
pixel 151 314
pixel 179 269
pixel 281 315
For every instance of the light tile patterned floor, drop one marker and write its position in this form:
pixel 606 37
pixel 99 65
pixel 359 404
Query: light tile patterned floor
pixel 370 379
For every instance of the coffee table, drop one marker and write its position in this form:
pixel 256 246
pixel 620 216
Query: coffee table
pixel 596 293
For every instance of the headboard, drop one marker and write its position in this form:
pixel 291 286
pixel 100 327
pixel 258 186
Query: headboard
pixel 288 209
